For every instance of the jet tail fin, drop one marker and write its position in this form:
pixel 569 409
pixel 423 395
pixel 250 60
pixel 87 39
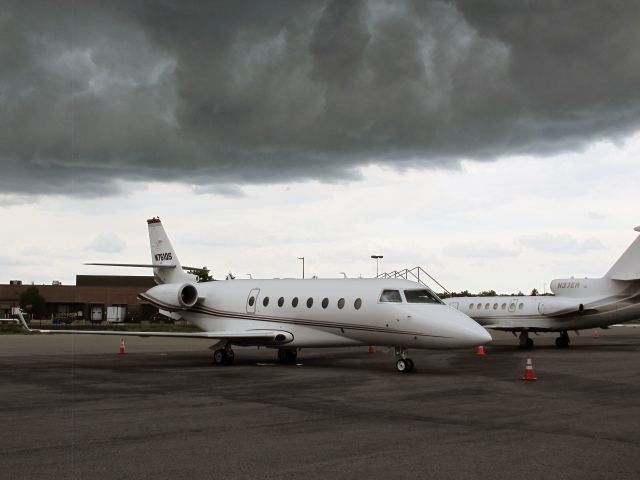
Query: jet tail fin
pixel 167 268
pixel 627 267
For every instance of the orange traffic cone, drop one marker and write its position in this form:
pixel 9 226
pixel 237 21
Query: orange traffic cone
pixel 122 350
pixel 480 351
pixel 372 349
pixel 528 371
pixel 596 333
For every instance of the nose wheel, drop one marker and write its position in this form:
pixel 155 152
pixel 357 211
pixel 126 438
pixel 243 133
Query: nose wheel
pixel 403 364
pixel 563 340
pixel 526 343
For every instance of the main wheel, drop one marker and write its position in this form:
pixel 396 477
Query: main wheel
pixel 218 356
pixel 562 342
pixel 409 363
pixel 229 357
pixel 401 365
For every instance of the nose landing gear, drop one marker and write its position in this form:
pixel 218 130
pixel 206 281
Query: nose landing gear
pixel 563 340
pixel 287 355
pixel 526 343
pixel 403 364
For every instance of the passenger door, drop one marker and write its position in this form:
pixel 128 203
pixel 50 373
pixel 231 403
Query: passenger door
pixel 252 300
pixel 512 304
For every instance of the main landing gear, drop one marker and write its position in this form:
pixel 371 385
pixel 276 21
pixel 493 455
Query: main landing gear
pixel 287 355
pixel 224 356
pixel 403 364
pixel 563 340
pixel 526 343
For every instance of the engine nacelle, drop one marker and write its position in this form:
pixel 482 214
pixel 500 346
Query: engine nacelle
pixel 558 305
pixel 173 296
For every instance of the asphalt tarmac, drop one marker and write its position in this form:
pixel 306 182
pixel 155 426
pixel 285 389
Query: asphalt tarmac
pixel 74 409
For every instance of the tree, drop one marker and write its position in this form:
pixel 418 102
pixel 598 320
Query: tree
pixel 33 302
pixel 534 292
pixel 202 274
pixel 487 293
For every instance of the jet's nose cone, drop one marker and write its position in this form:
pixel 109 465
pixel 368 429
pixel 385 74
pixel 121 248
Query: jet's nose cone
pixel 484 336
pixel 473 333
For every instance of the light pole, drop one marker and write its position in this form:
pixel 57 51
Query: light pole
pixel 377 257
pixel 302 258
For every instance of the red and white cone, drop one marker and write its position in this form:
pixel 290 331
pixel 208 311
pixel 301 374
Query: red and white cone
pixel 596 333
pixel 122 350
pixel 480 351
pixel 528 371
pixel 372 349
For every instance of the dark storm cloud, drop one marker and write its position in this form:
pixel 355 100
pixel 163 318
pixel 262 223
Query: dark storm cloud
pixel 226 93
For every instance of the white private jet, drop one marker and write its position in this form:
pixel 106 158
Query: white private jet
pixel 292 314
pixel 578 303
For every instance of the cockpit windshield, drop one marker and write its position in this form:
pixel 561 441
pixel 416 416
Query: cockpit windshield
pixel 391 296
pixel 421 296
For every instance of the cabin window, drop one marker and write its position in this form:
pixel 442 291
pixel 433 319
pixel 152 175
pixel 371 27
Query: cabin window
pixel 495 306
pixel 479 306
pixel 471 306
pixel 325 302
pixel 281 301
pixel 486 306
pixel 521 306
pixel 341 303
pixel 357 304
pixel 252 300
pixel 294 302
pixel 421 296
pixel 391 296
pixel 265 301
pixel 504 306
pixel 309 302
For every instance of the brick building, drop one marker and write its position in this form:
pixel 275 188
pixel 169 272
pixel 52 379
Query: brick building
pixel 89 299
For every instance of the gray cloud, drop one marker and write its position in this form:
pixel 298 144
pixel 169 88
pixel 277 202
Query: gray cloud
pixel 481 250
pixel 107 243
pixel 559 243
pixel 217 93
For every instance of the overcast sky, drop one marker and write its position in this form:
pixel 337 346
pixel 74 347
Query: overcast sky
pixel 495 143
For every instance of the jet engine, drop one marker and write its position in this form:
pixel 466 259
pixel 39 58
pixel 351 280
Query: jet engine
pixel 173 296
pixel 556 306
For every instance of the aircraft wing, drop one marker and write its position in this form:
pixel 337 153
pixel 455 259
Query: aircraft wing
pixel 252 337
pixel 519 325
pixel 513 328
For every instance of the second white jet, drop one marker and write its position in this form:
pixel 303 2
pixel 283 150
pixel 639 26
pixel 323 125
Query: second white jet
pixel 577 303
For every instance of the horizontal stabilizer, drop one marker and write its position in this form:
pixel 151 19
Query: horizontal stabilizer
pixel 141 265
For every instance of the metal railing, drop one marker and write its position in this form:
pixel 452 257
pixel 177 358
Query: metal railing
pixel 412 274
